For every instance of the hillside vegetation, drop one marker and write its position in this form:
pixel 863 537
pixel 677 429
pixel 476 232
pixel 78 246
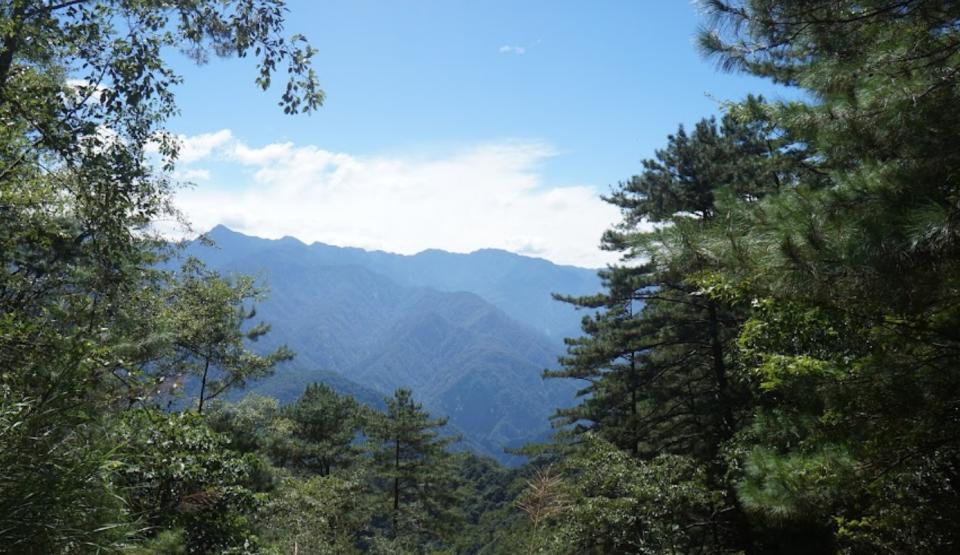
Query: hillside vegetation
pixel 773 366
pixel 436 322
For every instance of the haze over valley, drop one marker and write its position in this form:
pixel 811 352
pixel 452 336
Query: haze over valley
pixel 470 334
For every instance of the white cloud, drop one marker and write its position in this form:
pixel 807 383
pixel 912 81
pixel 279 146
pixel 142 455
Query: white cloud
pixel 101 140
pixel 201 146
pixel 486 196
pixel 193 174
pixel 260 156
pixel 83 88
pixel 508 49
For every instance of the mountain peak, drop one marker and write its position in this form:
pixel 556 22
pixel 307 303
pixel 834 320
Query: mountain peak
pixel 499 252
pixel 221 233
pixel 221 230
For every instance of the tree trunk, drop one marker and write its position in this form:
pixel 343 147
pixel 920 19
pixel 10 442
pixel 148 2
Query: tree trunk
pixel 396 487
pixel 634 425
pixel 720 373
pixel 739 522
pixel 203 385
pixel 11 43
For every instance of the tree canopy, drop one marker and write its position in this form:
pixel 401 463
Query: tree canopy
pixel 789 322
pixel 85 314
pixel 771 366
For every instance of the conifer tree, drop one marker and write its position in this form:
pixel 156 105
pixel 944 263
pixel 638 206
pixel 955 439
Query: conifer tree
pixel 853 278
pixel 659 355
pixel 210 314
pixel 325 426
pixel 411 461
pixel 657 352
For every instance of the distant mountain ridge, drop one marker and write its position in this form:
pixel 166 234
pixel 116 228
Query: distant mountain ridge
pixel 469 333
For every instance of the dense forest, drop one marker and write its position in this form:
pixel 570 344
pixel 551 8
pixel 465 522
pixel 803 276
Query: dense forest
pixel 772 367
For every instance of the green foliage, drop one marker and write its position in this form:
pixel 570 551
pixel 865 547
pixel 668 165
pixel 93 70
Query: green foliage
pixel 603 501
pixel 400 494
pixel 319 515
pixel 414 471
pixel 168 542
pixel 209 315
pixel 176 473
pixel 314 435
pixel 325 426
pixel 55 492
pixel 660 355
pixel 84 317
pixel 770 368
pixel 486 499
pixel 852 275
pixel 797 338
pixel 251 424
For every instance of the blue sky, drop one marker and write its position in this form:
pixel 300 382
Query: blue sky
pixel 555 101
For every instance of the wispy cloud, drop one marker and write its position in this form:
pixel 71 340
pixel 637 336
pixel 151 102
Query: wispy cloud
pixel 260 156
pixel 488 195
pixel 509 49
pixel 192 174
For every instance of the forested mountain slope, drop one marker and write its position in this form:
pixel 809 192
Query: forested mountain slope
pixel 520 286
pixel 433 322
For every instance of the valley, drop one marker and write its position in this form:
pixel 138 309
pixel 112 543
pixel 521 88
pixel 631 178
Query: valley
pixel 470 334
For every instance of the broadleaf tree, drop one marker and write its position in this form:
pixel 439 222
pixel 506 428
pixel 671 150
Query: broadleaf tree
pixel 84 95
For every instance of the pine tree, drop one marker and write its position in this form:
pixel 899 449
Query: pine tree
pixel 210 314
pixel 411 461
pixel 325 426
pixel 659 354
pixel 853 277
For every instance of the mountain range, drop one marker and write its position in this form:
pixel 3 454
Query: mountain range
pixel 470 334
